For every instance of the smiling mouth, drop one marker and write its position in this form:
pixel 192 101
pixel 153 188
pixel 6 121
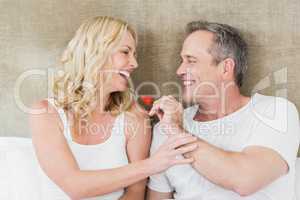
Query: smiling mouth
pixel 124 74
pixel 188 82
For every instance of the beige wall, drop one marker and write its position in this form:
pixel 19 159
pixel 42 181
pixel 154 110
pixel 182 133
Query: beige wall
pixel 34 32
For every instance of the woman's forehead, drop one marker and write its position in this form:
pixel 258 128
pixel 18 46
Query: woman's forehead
pixel 128 40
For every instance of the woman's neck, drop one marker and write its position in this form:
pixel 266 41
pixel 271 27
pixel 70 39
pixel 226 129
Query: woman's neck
pixel 101 104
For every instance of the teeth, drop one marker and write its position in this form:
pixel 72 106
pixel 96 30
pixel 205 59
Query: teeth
pixel 124 73
pixel 187 83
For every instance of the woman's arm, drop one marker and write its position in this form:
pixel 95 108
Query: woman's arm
pixel 138 134
pixel 154 195
pixel 57 161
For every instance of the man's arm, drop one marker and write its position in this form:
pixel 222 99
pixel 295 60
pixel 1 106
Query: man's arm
pixel 154 195
pixel 243 172
pixel 266 156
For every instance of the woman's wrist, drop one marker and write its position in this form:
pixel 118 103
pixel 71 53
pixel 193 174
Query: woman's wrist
pixel 148 167
pixel 142 168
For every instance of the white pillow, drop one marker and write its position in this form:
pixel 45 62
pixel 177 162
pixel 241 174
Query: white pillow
pixel 298 178
pixel 21 177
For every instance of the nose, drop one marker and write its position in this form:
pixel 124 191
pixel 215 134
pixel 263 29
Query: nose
pixel 133 62
pixel 181 70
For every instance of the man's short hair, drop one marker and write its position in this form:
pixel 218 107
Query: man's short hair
pixel 228 43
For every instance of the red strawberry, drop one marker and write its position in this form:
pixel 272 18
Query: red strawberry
pixel 147 100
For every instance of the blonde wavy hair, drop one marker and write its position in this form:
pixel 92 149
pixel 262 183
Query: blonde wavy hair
pixel 75 87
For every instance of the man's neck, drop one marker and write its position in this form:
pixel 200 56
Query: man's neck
pixel 216 108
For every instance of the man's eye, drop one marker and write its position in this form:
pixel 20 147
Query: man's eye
pixel 125 52
pixel 191 61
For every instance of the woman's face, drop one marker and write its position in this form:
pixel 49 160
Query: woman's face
pixel 123 64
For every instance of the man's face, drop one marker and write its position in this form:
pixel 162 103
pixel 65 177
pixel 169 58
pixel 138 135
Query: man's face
pixel 199 74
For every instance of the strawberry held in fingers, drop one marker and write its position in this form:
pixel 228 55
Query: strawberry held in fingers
pixel 147 100
pixel 168 110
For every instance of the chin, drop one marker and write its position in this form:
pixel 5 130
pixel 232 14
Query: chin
pixel 187 98
pixel 124 88
pixel 121 89
pixel 187 95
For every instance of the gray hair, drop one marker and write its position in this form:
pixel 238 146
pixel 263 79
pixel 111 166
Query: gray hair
pixel 228 43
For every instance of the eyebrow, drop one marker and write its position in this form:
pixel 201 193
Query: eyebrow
pixel 129 47
pixel 189 56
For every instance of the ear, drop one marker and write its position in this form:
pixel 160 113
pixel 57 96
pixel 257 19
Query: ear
pixel 228 66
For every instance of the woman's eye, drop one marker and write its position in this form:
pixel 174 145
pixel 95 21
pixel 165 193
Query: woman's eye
pixel 125 52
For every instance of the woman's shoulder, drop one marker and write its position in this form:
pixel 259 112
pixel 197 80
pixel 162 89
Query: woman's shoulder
pixel 42 104
pixel 137 122
pixel 44 107
pixel 136 113
pixel 44 113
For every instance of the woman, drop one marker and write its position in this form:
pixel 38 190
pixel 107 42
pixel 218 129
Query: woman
pixel 94 140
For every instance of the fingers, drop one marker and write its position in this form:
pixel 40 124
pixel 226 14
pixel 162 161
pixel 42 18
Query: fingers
pixel 182 141
pixel 156 109
pixel 180 145
pixel 179 159
pixel 172 98
pixel 185 149
pixel 156 112
pixel 183 161
pixel 173 150
pixel 173 138
pixel 162 103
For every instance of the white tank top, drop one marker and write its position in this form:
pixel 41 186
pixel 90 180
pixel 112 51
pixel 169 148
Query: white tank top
pixel 107 155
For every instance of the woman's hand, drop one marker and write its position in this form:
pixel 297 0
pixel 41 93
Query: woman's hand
pixel 171 151
pixel 168 110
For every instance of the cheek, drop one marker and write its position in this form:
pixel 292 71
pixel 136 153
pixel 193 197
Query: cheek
pixel 209 74
pixel 119 61
pixel 117 83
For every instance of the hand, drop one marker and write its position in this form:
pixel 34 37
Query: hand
pixel 171 151
pixel 168 110
pixel 201 144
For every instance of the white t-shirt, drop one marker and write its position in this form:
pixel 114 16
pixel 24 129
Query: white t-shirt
pixel 266 121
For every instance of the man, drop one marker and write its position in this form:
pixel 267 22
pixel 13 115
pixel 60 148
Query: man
pixel 247 146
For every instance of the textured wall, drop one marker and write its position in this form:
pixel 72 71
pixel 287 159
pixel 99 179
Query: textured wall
pixel 34 32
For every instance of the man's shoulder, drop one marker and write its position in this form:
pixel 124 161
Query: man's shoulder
pixel 190 111
pixel 278 113
pixel 267 104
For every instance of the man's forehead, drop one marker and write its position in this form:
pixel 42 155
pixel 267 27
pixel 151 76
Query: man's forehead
pixel 200 35
pixel 192 50
pixel 197 43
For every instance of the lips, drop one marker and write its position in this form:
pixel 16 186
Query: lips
pixel 188 82
pixel 124 74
